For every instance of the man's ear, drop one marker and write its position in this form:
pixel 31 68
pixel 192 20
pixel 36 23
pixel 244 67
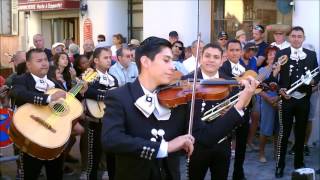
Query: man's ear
pixel 145 62
pixel 28 64
pixel 95 60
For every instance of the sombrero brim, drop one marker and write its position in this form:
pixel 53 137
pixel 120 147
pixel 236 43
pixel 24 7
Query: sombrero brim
pixel 278 27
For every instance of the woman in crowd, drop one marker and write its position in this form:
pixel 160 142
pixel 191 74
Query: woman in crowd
pixel 81 64
pixel 269 98
pixel 117 41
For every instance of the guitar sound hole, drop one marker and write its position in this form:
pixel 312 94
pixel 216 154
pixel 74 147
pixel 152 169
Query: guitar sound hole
pixel 59 108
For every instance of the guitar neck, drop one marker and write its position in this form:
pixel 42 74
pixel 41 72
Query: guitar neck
pixel 76 89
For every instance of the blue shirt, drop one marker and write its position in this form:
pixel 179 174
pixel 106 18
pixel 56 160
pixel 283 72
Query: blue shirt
pixel 252 65
pixel 180 67
pixel 261 49
pixel 124 75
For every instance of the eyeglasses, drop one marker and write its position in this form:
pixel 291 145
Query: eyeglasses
pixel 180 48
pixel 129 56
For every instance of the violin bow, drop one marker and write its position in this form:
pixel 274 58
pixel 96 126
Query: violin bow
pixel 193 98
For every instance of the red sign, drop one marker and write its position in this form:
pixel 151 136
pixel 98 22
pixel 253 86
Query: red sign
pixel 42 5
pixel 87 29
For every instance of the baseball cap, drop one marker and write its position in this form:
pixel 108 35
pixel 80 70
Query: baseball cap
pixel 250 45
pixel 134 42
pixel 222 34
pixel 57 44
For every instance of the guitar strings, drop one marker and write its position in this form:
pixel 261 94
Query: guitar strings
pixel 73 93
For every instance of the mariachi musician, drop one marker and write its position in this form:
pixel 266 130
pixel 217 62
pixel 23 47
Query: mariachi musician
pixel 96 91
pixel 144 134
pixel 208 154
pixel 30 88
pixel 296 104
pixel 232 68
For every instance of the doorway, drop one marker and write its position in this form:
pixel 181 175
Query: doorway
pixel 59 29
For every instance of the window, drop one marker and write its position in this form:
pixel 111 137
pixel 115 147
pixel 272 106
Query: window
pixel 9 17
pixel 232 15
pixel 135 20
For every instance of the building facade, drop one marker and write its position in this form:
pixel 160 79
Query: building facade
pixel 61 19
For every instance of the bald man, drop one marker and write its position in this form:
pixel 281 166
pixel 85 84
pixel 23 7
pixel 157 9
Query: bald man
pixel 38 42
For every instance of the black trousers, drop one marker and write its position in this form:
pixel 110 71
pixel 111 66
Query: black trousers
pixel 31 167
pixel 216 159
pixel 94 152
pixel 298 108
pixel 241 144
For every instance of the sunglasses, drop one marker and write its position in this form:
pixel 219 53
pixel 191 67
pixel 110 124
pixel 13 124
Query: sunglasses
pixel 223 39
pixel 180 48
pixel 253 49
pixel 100 40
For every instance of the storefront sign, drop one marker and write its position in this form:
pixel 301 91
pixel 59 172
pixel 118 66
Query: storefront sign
pixel 87 29
pixel 41 5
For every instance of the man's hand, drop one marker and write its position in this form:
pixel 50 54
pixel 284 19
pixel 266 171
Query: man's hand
pixel 181 142
pixel 250 85
pixel 84 89
pixel 57 95
pixel 73 73
pixel 276 69
pixel 283 93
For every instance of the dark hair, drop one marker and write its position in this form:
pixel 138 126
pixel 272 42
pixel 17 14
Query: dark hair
pixel 173 34
pixel 52 73
pixel 266 52
pixel 102 36
pixel 214 46
pixel 150 47
pixel 270 48
pixel 21 68
pixel 233 41
pixel 66 72
pixel 119 37
pixel 31 51
pixel 296 28
pixel 182 55
pixel 76 64
pixel 97 52
pixel 119 52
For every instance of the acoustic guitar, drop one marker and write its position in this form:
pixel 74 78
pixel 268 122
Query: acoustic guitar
pixel 43 131
pixel 95 108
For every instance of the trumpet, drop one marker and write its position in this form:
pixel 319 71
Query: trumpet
pixel 216 111
pixel 304 79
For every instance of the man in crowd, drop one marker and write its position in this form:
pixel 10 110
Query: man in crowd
pixel 173 36
pixel 190 63
pixel 38 42
pixel 258 35
pixel 124 69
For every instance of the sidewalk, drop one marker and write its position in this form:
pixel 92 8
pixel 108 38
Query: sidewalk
pixel 254 170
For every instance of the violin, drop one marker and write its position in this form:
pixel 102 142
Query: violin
pixel 180 93
pixel 209 90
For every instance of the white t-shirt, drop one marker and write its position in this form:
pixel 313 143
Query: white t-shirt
pixel 190 64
